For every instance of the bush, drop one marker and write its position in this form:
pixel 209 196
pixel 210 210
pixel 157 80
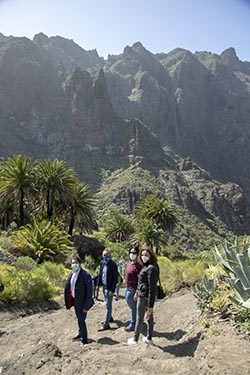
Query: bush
pixel 175 275
pixel 54 274
pixel 24 286
pixel 25 263
pixel 39 283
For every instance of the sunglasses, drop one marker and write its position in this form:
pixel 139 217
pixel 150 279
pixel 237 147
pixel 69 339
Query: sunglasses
pixel 132 252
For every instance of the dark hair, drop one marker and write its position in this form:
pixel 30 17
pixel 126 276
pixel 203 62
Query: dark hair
pixel 152 260
pixel 77 258
pixel 136 248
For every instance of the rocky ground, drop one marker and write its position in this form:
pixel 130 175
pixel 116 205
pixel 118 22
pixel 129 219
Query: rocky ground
pixel 37 340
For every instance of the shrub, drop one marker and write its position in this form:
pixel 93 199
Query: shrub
pixel 174 275
pixel 25 263
pixel 24 286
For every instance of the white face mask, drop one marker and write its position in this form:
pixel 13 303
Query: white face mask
pixel 132 256
pixel 145 259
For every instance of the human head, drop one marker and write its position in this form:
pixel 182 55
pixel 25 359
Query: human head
pixel 76 259
pixel 134 249
pixel 106 252
pixel 133 254
pixel 75 263
pixel 149 253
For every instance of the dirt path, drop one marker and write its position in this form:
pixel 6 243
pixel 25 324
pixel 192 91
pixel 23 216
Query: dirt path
pixel 41 343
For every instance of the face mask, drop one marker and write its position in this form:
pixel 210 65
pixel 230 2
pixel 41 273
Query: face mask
pixel 106 258
pixel 132 256
pixel 145 259
pixel 75 267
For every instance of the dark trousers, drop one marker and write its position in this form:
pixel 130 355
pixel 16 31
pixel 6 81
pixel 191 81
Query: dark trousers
pixel 81 317
pixel 142 305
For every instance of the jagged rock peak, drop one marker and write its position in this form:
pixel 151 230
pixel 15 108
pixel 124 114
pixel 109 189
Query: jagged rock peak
pixel 230 58
pixel 99 85
pixel 41 39
pixel 2 37
pixel 138 45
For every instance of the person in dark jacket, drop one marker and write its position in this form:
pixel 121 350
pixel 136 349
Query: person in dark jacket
pixel 146 295
pixel 108 278
pixel 78 293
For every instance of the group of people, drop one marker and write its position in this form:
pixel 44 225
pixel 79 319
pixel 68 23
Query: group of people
pixel 141 277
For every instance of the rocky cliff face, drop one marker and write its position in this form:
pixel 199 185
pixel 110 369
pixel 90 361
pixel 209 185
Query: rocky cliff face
pixel 198 104
pixel 59 101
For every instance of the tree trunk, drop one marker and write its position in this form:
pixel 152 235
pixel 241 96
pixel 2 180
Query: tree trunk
pixel 71 224
pixel 21 208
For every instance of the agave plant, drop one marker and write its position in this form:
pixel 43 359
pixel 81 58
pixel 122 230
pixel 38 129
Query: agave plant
pixel 204 291
pixel 235 260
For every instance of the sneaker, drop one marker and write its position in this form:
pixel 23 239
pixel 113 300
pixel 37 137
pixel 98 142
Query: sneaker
pixel 132 341
pixel 83 344
pixel 148 341
pixel 129 329
pixel 76 337
pixel 104 327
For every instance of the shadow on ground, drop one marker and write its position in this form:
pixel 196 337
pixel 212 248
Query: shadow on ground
pixel 184 349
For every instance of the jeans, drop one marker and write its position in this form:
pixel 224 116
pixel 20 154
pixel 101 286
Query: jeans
pixel 81 317
pixel 142 305
pixel 108 300
pixel 129 296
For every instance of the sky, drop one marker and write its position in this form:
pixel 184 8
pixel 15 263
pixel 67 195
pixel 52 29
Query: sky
pixel 111 25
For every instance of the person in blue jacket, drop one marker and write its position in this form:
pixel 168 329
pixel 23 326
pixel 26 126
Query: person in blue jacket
pixel 108 278
pixel 78 293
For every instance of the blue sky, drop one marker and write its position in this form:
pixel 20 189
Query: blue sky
pixel 110 25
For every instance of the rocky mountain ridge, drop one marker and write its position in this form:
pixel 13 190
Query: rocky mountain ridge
pixel 59 101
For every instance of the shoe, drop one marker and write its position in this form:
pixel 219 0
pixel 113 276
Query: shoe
pixel 132 341
pixel 110 321
pixel 76 338
pixel 83 344
pixel 129 329
pixel 104 327
pixel 148 341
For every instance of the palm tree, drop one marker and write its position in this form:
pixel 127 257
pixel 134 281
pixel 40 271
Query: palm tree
pixel 148 233
pixel 56 183
pixel 82 209
pixel 16 182
pixel 118 226
pixel 160 211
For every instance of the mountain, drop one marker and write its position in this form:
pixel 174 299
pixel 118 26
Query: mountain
pixel 134 111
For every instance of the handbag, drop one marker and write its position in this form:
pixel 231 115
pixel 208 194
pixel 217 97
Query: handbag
pixel 160 291
pixel 1 287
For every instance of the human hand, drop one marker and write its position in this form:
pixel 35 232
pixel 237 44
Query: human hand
pixel 136 297
pixel 111 294
pixel 149 312
pixel 84 311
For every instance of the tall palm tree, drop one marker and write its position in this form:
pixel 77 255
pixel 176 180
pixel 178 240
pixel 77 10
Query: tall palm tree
pixel 16 182
pixel 118 226
pixel 82 209
pixel 148 233
pixel 160 210
pixel 56 183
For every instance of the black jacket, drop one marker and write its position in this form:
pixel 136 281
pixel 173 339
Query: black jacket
pixel 147 282
pixel 83 291
pixel 112 275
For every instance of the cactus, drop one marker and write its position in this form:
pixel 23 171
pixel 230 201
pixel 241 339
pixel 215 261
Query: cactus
pixel 236 263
